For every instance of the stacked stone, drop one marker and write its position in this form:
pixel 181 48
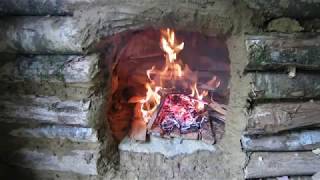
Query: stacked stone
pixel 48 111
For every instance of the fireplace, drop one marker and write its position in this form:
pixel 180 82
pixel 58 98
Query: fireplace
pixel 170 89
pixel 167 84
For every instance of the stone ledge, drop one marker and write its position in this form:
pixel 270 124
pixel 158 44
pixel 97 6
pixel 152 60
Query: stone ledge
pixel 167 147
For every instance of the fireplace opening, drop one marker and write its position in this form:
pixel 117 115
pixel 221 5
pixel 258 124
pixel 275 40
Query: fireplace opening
pixel 167 84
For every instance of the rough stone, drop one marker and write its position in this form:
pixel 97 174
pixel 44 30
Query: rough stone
pixel 285 25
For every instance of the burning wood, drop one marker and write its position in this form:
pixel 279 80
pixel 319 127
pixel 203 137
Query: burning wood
pixel 167 109
pixel 180 111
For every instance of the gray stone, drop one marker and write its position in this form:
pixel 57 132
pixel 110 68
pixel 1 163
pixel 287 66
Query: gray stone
pixel 167 147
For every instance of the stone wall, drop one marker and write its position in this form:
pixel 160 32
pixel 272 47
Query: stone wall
pixel 54 87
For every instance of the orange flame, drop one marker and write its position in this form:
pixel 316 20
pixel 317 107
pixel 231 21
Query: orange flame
pixel 171 72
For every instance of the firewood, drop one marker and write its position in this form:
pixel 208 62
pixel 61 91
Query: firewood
pixel 288 141
pixel 281 52
pixel 135 99
pixel 276 117
pixel 279 86
pixel 146 56
pixel 138 130
pixel 207 137
pixel 153 118
pixel 218 107
pixel 265 164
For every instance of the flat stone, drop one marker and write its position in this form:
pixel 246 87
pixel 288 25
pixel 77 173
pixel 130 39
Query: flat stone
pixel 167 147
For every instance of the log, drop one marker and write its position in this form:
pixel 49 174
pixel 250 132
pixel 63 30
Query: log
pixel 40 7
pixel 291 141
pixel 78 34
pixel 40 35
pixel 54 68
pixel 81 161
pixel 290 178
pixel 138 130
pixel 276 117
pixel 63 91
pixel 220 108
pixel 274 51
pixel 266 164
pixel 280 86
pixel 40 131
pixel 294 8
pixel 26 109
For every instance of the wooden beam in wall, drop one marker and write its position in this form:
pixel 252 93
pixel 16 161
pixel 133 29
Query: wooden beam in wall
pixel 279 51
pixel 287 141
pixel 273 164
pixel 280 86
pixel 272 118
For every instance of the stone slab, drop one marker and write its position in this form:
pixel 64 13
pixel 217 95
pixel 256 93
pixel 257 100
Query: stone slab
pixel 167 147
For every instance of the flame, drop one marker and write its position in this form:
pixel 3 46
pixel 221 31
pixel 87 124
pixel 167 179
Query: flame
pixel 150 102
pixel 173 71
pixel 195 93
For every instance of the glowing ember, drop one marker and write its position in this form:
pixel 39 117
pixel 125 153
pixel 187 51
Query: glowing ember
pixel 174 75
pixel 179 111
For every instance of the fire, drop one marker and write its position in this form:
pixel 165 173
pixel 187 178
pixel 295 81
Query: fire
pixel 172 74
